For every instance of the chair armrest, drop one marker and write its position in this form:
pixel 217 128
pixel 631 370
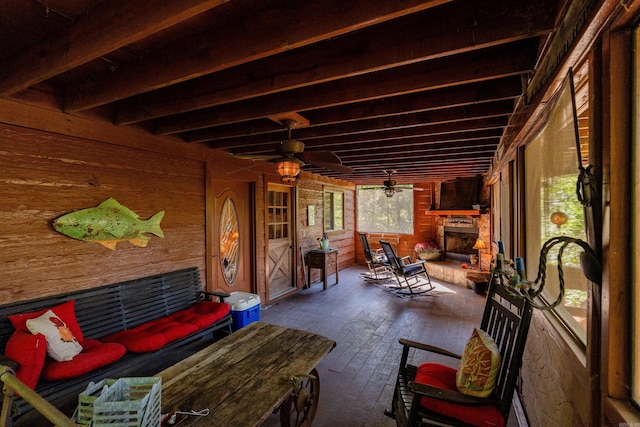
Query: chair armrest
pixel 221 295
pixel 449 395
pixel 10 363
pixel 405 260
pixel 429 348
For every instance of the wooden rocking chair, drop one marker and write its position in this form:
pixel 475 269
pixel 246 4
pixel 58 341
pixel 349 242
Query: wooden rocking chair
pixel 376 261
pixel 412 277
pixel 435 400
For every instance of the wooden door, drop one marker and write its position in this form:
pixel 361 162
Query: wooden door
pixel 229 235
pixel 280 223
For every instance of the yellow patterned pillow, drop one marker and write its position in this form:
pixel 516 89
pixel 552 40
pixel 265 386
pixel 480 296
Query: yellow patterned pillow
pixel 479 365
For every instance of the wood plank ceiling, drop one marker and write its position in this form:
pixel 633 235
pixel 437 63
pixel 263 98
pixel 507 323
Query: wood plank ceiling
pixel 423 87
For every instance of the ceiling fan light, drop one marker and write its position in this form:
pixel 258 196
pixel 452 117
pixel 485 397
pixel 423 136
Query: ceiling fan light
pixel 288 170
pixel 389 192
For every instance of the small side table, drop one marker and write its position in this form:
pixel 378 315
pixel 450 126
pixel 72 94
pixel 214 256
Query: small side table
pixel 324 259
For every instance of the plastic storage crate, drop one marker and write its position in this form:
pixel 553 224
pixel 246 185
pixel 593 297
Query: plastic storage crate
pixel 125 402
pixel 245 308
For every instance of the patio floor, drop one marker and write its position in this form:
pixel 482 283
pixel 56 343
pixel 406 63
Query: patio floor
pixel 366 321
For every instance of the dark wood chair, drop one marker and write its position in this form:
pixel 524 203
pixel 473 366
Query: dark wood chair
pixel 412 277
pixel 376 261
pixel 506 319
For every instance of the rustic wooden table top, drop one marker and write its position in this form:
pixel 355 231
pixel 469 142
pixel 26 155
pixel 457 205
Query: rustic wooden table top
pixel 243 377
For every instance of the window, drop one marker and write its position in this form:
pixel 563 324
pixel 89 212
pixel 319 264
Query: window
pixel 378 213
pixel 552 208
pixel 333 210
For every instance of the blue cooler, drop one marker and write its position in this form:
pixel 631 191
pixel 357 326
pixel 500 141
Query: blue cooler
pixel 245 308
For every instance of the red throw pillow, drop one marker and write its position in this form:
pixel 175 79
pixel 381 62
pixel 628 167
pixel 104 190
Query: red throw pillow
pixel 29 351
pixel 442 376
pixel 65 311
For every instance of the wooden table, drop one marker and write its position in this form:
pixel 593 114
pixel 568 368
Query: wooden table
pixel 242 378
pixel 324 259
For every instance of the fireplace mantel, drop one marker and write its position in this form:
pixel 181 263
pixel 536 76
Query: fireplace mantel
pixel 471 212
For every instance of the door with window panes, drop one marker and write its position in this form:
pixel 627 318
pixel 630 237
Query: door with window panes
pixel 280 218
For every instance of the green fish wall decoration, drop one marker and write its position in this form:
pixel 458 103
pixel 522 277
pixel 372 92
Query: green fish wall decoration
pixel 108 224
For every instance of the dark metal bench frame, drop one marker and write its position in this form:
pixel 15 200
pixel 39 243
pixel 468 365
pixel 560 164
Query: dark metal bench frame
pixel 107 309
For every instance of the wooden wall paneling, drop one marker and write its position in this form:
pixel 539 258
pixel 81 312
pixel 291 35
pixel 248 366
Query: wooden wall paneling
pixel 46 175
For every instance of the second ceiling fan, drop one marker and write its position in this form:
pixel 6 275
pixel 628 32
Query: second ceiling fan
pixel 390 186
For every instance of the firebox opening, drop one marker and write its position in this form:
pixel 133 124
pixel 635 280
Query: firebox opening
pixel 458 243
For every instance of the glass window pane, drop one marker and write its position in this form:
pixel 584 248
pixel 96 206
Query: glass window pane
pixel 378 213
pixel 551 166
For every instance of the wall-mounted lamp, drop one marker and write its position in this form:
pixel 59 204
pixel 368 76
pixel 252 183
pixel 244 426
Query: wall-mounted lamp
pixel 480 245
pixel 288 170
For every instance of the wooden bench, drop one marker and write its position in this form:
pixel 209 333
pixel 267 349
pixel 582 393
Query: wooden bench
pixel 108 309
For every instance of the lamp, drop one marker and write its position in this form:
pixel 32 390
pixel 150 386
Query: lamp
pixel 389 192
pixel 480 245
pixel 288 170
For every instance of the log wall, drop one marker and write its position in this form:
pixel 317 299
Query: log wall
pixel 46 175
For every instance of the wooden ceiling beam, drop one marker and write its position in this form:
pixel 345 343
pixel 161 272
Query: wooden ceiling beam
pixel 273 29
pixel 461 141
pixel 412 124
pixel 109 26
pixel 446 30
pixel 440 130
pixel 349 148
pixel 494 90
pixel 486 64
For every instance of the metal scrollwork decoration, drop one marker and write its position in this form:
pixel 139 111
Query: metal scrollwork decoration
pixel 531 289
pixel 229 241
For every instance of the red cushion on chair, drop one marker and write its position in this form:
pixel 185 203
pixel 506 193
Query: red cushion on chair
pixel 202 314
pixel 95 354
pixel 65 311
pixel 29 351
pixel 444 377
pixel 151 336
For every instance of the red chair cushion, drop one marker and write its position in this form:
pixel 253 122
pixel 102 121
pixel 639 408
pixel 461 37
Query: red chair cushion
pixel 30 352
pixel 202 314
pixel 65 311
pixel 95 354
pixel 442 376
pixel 151 336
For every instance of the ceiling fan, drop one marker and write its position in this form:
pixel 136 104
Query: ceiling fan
pixel 390 185
pixel 290 157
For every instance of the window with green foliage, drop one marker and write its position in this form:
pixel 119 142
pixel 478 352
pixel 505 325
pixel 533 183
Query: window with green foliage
pixel 333 210
pixel 378 213
pixel 553 209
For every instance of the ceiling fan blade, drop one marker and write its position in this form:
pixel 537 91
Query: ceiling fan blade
pixel 320 156
pixel 398 190
pixel 418 189
pixel 337 167
pixel 264 157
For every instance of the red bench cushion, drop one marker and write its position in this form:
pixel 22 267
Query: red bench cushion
pixel 30 352
pixel 95 354
pixel 442 376
pixel 153 335
pixel 202 314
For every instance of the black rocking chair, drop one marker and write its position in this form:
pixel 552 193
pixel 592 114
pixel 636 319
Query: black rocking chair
pixel 377 262
pixel 506 319
pixel 412 277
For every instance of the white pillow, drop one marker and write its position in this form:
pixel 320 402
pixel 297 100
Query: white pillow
pixel 61 344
